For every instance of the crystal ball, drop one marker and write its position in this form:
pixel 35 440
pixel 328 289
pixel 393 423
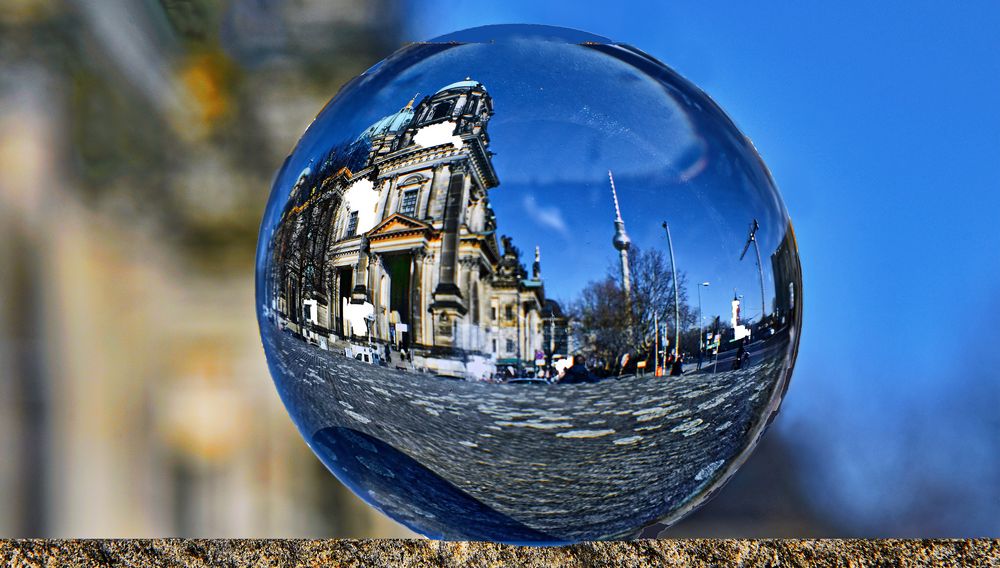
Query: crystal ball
pixel 527 284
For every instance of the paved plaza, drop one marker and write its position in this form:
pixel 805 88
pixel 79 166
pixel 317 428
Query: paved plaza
pixel 600 458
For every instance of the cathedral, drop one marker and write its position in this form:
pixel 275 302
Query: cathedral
pixel 392 240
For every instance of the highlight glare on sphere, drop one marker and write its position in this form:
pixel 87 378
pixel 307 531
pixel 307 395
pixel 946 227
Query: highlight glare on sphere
pixel 526 284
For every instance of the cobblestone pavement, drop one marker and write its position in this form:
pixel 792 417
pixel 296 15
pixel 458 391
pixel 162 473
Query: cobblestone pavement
pixel 573 461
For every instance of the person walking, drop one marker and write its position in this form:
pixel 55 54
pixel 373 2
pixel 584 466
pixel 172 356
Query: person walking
pixel 741 356
pixel 677 367
pixel 578 373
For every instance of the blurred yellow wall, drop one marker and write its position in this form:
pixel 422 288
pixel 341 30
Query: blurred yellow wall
pixel 134 396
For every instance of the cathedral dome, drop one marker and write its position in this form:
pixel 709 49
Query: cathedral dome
pixel 388 124
pixel 466 84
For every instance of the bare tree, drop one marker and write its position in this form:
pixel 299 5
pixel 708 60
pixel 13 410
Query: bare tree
pixel 605 327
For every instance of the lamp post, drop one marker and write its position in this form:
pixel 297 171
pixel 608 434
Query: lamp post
pixel 656 344
pixel 752 239
pixel 677 298
pixel 701 326
pixel 551 320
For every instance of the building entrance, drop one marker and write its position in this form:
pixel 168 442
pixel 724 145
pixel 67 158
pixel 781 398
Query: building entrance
pixel 397 267
pixel 346 278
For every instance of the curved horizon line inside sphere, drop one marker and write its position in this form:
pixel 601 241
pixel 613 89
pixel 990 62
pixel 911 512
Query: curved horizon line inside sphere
pixel 505 32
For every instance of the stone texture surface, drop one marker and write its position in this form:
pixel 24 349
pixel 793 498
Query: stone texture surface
pixel 575 462
pixel 176 552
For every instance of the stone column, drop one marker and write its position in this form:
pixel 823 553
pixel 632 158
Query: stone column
pixel 417 258
pixel 329 291
pixel 447 294
pixel 436 185
pixel 375 292
pixel 448 303
pixel 470 274
pixel 335 316
pixel 386 203
pixel 359 294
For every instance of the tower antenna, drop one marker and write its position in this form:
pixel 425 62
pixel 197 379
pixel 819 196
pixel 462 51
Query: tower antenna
pixel 752 239
pixel 621 242
pixel 614 195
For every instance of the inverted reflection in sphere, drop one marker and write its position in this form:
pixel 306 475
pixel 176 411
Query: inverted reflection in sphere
pixel 526 284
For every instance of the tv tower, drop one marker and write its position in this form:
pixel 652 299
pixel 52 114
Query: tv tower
pixel 622 243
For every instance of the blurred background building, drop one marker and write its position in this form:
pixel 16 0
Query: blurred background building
pixel 137 143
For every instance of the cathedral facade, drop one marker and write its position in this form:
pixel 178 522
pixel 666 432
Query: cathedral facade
pixel 401 249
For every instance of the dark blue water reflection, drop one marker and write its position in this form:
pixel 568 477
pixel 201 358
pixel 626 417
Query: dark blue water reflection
pixel 400 487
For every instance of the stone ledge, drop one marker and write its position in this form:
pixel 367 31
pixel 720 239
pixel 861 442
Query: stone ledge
pixel 696 552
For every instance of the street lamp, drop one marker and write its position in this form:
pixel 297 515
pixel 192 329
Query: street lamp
pixel 701 326
pixel 752 239
pixel 677 298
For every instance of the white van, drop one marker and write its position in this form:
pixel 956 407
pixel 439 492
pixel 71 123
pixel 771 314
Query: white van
pixel 363 354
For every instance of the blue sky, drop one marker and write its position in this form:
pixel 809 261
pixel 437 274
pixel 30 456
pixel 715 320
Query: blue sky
pixel 881 126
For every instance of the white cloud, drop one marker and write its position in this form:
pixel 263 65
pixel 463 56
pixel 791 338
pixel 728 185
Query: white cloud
pixel 363 198
pixel 550 217
pixel 437 134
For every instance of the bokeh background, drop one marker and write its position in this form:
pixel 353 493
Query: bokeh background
pixel 137 143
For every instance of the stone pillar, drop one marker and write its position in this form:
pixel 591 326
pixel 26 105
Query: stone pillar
pixel 417 258
pixel 437 185
pixel 448 302
pixel 374 291
pixel 447 293
pixel 335 316
pixel 330 300
pixel 359 294
pixel 469 276
pixel 470 270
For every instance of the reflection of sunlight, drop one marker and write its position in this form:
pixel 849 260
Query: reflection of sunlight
pixel 360 197
pixel 698 151
pixel 437 135
pixel 357 316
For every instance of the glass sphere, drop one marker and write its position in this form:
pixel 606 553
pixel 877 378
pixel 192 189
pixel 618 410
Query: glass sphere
pixel 527 284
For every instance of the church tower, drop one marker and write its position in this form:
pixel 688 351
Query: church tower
pixel 536 268
pixel 462 176
pixel 622 244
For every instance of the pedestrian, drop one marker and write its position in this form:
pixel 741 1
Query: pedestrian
pixel 578 373
pixel 561 366
pixel 677 367
pixel 741 356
